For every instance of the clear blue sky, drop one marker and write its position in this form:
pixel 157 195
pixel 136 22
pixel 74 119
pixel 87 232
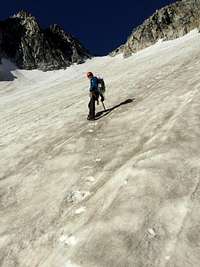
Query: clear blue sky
pixel 100 25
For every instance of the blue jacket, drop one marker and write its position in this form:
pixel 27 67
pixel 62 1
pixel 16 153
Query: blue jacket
pixel 94 85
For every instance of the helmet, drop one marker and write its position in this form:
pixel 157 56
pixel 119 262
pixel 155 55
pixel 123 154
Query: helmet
pixel 89 74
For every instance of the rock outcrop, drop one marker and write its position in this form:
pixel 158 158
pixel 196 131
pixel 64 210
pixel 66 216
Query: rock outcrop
pixel 170 22
pixel 24 42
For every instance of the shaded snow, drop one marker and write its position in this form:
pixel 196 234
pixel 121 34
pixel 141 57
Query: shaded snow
pixel 121 191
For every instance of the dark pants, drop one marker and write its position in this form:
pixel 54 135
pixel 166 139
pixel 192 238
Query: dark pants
pixel 91 107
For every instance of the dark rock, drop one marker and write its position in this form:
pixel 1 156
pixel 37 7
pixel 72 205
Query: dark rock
pixel 170 22
pixel 24 42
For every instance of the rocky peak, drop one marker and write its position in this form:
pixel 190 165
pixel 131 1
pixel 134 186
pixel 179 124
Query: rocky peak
pixel 23 15
pixel 56 29
pixel 170 22
pixel 29 46
pixel 29 22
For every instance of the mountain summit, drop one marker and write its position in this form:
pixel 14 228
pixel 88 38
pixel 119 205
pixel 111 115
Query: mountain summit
pixel 29 46
pixel 168 23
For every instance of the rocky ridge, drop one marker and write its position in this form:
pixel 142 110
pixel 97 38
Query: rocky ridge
pixel 168 23
pixel 25 43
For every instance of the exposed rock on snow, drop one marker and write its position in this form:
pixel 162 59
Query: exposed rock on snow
pixel 168 23
pixel 29 46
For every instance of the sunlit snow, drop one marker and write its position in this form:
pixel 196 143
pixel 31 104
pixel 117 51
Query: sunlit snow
pixel 122 191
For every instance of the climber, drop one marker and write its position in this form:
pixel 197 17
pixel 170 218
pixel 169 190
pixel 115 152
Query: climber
pixel 94 95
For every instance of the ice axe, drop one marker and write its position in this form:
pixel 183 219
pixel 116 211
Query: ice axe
pixel 103 105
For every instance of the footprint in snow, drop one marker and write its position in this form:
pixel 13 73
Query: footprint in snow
pixel 87 167
pixel 68 240
pixel 76 196
pixel 80 210
pixel 70 264
pixel 90 179
pixel 151 232
pixel 126 182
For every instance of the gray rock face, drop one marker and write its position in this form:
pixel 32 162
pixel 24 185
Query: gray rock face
pixel 29 46
pixel 170 22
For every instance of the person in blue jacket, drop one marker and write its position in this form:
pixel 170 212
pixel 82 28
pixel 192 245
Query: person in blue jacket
pixel 94 95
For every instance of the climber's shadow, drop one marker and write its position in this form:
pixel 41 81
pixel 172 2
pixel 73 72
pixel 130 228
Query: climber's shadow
pixel 105 112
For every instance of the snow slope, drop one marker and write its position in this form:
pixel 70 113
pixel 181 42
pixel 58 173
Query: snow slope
pixel 122 191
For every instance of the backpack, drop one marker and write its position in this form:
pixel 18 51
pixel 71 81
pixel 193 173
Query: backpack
pixel 101 86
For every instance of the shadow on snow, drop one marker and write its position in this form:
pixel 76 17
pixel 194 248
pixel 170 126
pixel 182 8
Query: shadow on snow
pixel 105 112
pixel 6 68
